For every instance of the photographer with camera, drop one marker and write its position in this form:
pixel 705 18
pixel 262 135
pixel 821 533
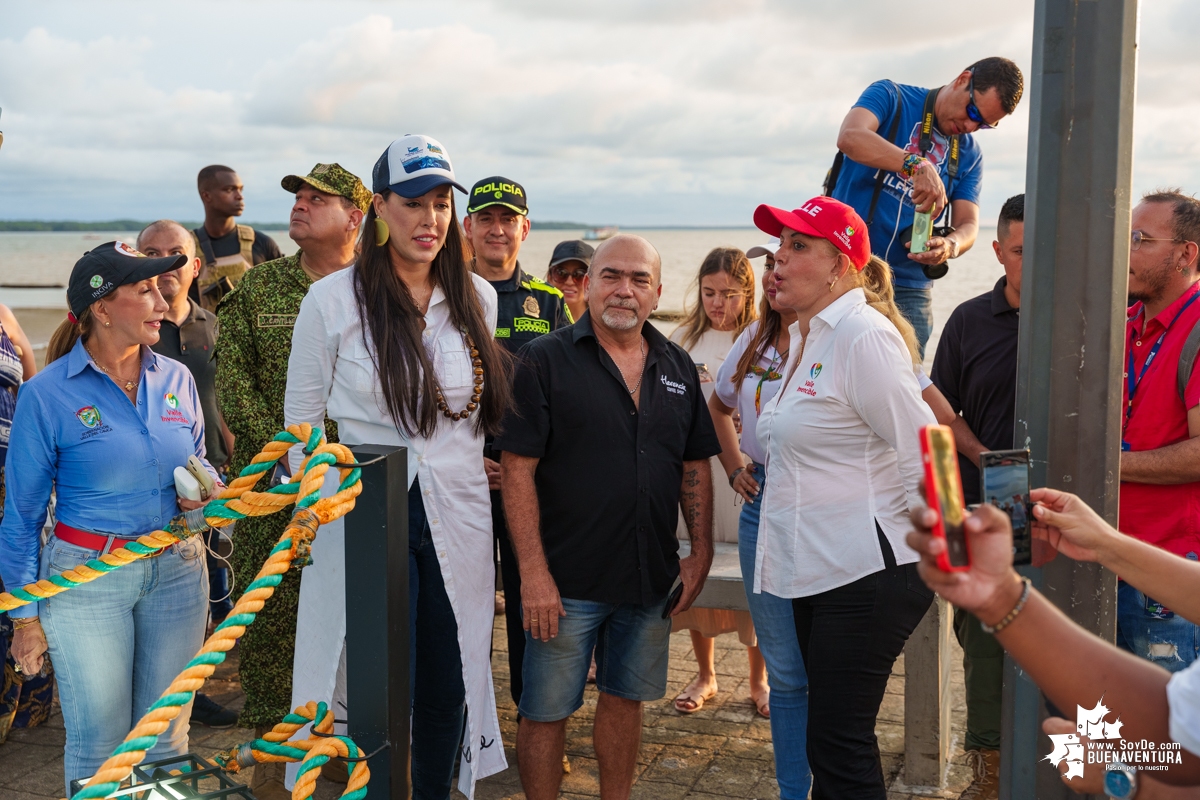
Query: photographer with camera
pixel 904 149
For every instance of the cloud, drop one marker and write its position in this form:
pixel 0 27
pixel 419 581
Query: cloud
pixel 622 111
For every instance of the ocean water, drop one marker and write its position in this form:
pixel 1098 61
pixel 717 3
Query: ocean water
pixel 46 259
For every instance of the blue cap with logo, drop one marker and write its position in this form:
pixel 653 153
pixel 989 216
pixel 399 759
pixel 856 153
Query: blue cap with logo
pixel 413 165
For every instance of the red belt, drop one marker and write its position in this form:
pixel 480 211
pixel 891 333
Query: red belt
pixel 91 541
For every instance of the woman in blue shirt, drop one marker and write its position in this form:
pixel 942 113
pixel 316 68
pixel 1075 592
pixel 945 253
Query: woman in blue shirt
pixel 103 427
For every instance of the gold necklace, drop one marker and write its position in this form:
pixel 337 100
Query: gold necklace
pixel 130 385
pixel 473 403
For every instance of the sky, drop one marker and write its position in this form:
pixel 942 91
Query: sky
pixel 617 112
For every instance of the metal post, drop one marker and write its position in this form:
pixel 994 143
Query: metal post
pixel 1072 313
pixel 377 645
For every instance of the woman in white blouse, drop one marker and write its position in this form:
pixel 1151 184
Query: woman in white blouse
pixel 398 349
pixel 843 471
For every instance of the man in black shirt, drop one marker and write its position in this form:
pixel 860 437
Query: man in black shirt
pixel 609 405
pixel 188 335
pixel 226 248
pixel 976 369
pixel 497 223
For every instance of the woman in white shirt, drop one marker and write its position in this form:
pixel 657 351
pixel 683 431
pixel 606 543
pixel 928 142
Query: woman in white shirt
pixel 843 471
pixel 722 309
pixel 398 349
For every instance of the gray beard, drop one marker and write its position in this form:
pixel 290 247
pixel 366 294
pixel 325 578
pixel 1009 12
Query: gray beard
pixel 619 323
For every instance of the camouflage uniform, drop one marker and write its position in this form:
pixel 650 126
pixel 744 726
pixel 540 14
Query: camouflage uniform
pixel 256 321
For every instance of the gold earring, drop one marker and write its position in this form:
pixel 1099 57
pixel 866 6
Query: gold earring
pixel 108 324
pixel 381 232
pixel 831 285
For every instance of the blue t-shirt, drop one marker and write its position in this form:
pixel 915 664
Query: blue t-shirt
pixel 894 211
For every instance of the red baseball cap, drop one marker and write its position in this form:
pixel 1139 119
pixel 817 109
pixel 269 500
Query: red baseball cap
pixel 824 218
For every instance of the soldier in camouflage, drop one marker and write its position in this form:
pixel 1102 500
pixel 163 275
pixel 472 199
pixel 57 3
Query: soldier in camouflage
pixel 497 223
pixel 256 322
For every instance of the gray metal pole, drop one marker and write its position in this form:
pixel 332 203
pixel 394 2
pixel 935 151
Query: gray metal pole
pixel 377 638
pixel 1072 315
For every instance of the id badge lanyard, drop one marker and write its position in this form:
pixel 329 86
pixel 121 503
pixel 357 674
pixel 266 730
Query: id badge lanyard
pixel 1132 379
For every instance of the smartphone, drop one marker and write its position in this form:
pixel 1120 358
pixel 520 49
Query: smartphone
pixel 672 600
pixel 922 229
pixel 943 492
pixel 1004 482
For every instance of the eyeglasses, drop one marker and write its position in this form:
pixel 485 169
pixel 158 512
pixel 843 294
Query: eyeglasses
pixel 564 275
pixel 1137 237
pixel 973 112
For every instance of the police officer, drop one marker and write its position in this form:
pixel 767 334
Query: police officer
pixel 497 223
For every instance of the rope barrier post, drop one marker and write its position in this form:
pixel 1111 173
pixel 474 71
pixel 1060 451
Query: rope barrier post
pixel 377 632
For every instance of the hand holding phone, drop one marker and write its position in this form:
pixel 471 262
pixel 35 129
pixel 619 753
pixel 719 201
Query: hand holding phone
pixel 944 494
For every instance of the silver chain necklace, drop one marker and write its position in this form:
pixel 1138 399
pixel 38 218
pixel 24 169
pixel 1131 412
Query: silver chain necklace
pixel 641 372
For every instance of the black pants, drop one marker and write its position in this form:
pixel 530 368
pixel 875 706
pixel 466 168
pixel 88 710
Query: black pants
pixel 850 637
pixel 511 576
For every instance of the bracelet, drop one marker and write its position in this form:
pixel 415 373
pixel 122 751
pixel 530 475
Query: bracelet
pixel 1010 616
pixel 733 475
pixel 24 622
pixel 912 162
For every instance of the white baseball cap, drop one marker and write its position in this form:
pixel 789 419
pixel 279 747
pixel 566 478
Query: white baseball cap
pixel 762 250
pixel 413 165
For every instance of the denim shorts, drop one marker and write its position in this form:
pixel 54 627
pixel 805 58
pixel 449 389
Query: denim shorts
pixel 631 645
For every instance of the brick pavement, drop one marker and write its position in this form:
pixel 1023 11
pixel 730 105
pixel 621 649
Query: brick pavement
pixel 722 751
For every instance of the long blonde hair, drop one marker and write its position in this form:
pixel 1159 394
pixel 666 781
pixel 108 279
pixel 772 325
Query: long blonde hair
pixel 67 333
pixel 732 262
pixel 875 279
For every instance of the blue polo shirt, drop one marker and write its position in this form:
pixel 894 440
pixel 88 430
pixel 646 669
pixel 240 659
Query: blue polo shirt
pixel 111 463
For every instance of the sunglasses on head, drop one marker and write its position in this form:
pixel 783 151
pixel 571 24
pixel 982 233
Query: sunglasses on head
pixel 973 112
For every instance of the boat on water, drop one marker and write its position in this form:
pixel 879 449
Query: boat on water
pixel 598 234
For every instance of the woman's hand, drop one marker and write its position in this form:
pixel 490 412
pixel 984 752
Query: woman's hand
pixel 983 588
pixel 190 505
pixel 745 485
pixel 1069 525
pixel 29 647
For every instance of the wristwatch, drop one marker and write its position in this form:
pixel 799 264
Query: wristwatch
pixel 1120 781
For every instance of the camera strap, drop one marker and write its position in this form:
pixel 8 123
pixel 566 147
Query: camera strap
pixel 891 137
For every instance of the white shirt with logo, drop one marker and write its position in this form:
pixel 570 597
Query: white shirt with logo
pixel 843 453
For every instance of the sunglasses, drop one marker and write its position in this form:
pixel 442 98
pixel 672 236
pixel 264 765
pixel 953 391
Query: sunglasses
pixel 563 275
pixel 973 112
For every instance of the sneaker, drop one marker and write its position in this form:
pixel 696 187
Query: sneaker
pixel 206 711
pixel 986 783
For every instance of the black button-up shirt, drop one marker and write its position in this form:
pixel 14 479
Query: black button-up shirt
pixel 976 369
pixel 192 344
pixel 609 474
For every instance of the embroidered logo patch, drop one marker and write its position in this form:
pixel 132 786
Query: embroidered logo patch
pixel 276 320
pixel 527 325
pixel 814 370
pixel 172 401
pixel 96 281
pixel 89 416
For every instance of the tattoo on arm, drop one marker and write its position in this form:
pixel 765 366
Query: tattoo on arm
pixel 696 503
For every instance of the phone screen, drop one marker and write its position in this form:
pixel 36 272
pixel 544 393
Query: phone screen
pixel 949 492
pixel 1004 475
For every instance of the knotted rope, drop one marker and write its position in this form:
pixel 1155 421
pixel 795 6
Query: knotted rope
pixel 238 502
pixel 313 752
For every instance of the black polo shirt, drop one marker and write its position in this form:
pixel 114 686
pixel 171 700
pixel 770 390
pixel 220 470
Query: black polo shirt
pixel 192 344
pixel 609 475
pixel 976 369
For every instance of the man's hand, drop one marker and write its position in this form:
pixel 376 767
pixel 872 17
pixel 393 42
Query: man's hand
pixel 937 250
pixel 988 585
pixel 541 605
pixel 1092 779
pixel 693 571
pixel 29 648
pixel 1069 525
pixel 492 468
pixel 928 190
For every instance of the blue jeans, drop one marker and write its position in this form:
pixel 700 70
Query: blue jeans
pixel 1171 643
pixel 631 644
pixel 917 307
pixel 775 626
pixel 118 642
pixel 439 696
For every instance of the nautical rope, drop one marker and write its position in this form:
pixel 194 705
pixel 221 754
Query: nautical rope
pixel 314 751
pixel 237 502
